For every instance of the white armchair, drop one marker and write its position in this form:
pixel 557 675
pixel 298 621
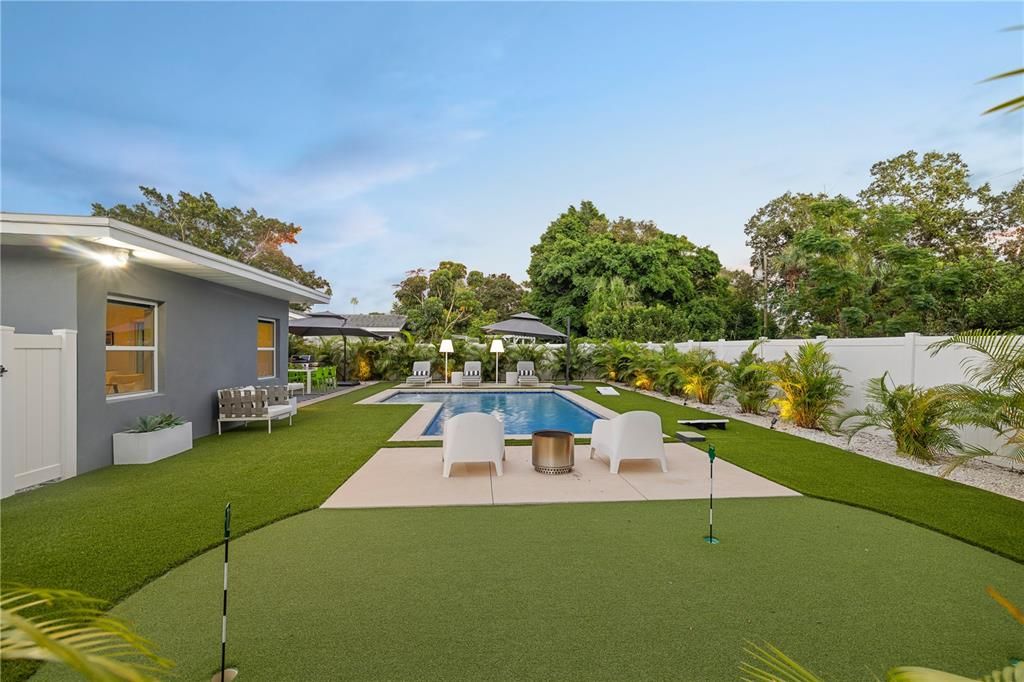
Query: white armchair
pixel 633 435
pixel 473 437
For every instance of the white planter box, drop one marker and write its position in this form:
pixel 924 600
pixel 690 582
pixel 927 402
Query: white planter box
pixel 143 448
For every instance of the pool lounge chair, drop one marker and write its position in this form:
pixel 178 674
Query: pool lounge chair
pixel 473 437
pixel 420 373
pixel 471 373
pixel 633 435
pixel 527 374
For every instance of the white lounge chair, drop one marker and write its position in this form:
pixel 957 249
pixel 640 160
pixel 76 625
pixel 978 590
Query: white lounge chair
pixel 471 373
pixel 633 435
pixel 420 373
pixel 527 374
pixel 473 437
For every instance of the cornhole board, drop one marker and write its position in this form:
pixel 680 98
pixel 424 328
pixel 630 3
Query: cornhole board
pixel 690 437
pixel 607 390
pixel 705 423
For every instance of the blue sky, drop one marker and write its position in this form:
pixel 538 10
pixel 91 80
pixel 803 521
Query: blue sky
pixel 398 135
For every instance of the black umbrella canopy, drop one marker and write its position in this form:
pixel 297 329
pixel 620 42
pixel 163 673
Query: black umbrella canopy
pixel 525 324
pixel 327 324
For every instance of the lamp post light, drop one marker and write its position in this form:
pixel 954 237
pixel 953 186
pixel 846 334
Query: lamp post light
pixel 497 347
pixel 446 348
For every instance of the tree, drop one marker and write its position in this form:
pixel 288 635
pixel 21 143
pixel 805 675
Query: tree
pixel 450 299
pixel 583 261
pixel 354 302
pixel 245 236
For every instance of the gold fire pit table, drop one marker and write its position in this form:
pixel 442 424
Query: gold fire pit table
pixel 553 452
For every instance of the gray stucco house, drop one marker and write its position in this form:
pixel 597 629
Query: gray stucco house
pixel 155 325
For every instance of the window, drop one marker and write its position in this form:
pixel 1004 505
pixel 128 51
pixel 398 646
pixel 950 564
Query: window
pixel 266 349
pixel 131 347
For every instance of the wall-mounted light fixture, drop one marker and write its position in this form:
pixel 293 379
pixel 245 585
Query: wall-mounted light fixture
pixel 116 258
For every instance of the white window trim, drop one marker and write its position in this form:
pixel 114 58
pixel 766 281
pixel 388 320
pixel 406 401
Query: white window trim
pixel 260 348
pixel 149 349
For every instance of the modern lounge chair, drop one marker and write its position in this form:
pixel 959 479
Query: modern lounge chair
pixel 471 373
pixel 420 373
pixel 527 374
pixel 473 437
pixel 633 435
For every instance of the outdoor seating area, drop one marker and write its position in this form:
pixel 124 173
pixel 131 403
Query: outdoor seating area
pixel 254 404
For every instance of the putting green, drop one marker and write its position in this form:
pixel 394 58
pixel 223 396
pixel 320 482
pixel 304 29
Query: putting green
pixel 584 591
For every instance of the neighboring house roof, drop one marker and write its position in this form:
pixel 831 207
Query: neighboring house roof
pixel 376 321
pixel 94 235
pixel 524 324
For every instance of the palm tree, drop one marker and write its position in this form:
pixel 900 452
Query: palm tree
pixel 703 373
pixel 749 381
pixel 71 629
pixel 810 385
pixel 919 419
pixel 994 398
pixel 354 302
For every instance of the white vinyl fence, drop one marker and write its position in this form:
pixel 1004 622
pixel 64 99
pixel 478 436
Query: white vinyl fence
pixel 38 420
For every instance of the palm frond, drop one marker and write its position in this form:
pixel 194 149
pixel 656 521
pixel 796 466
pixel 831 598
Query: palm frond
pixel 69 628
pixel 1011 673
pixel 770 664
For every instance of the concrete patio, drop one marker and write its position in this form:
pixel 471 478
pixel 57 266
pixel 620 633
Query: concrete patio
pixel 411 477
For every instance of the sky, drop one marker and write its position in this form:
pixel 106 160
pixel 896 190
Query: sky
pixel 399 135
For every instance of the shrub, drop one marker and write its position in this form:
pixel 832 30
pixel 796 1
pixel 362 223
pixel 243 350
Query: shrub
pixel 703 374
pixel 156 422
pixel 810 385
pixel 749 381
pixel 918 419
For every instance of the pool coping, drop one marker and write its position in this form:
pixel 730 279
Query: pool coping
pixel 413 428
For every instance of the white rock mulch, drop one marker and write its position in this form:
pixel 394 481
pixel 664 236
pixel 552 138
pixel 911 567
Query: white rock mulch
pixel 987 475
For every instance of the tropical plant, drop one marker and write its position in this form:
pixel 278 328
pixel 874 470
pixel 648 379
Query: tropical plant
pixel 768 663
pixel 581 362
pixel 1017 103
pixel 994 398
pixel 919 419
pixel 524 352
pixel 703 373
pixel 156 422
pixel 810 387
pixel 68 628
pixel 614 360
pixel 749 381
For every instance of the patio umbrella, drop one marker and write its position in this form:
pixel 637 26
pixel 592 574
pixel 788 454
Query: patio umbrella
pixel 330 324
pixel 525 324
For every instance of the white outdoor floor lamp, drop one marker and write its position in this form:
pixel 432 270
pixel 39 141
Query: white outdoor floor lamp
pixel 446 348
pixel 497 347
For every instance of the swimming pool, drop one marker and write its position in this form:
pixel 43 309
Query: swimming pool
pixel 522 412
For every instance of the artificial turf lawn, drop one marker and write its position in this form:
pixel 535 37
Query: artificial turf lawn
pixel 108 532
pixel 584 591
pixel 976 516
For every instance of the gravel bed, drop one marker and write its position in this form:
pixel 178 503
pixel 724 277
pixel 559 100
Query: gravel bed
pixel 1003 480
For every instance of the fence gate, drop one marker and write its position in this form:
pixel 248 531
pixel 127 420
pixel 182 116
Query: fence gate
pixel 38 403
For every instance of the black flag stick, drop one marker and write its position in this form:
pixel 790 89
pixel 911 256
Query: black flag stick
pixel 711 539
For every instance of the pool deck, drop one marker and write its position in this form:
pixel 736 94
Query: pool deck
pixel 413 428
pixel 411 477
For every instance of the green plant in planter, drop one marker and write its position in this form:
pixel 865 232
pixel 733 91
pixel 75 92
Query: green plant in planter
pixel 810 385
pixel 749 381
pixel 919 419
pixel 156 422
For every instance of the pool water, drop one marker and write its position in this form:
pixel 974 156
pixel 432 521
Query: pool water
pixel 521 412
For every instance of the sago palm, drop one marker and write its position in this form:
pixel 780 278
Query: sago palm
pixel 994 398
pixel 71 629
pixel 810 387
pixel 749 381
pixel 919 419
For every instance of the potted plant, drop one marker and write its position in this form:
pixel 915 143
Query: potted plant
pixel 152 438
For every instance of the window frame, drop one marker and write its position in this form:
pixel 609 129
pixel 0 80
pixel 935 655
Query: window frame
pixel 154 349
pixel 261 349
